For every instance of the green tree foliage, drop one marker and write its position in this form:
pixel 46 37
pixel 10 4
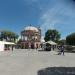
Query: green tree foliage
pixel 52 34
pixel 8 36
pixel 63 41
pixel 70 39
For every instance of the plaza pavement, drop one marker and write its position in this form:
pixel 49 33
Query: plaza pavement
pixel 29 62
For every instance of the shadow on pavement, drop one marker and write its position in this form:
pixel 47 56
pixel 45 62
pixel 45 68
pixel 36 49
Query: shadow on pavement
pixel 43 50
pixel 57 71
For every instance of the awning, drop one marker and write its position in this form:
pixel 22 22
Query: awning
pixel 51 42
pixel 8 43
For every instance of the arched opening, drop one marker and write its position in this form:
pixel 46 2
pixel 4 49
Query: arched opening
pixel 32 46
pixel 26 45
pixel 37 46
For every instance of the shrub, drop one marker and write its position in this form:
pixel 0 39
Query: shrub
pixel 69 48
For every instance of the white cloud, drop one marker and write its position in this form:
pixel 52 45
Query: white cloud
pixel 56 15
pixel 48 20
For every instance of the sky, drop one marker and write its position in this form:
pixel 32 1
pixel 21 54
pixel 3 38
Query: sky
pixel 15 15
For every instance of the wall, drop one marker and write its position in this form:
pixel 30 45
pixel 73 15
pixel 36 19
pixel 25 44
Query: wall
pixel 1 47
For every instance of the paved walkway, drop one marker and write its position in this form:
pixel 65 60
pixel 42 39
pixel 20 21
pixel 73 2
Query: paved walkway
pixel 29 62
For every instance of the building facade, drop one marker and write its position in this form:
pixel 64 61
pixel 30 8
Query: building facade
pixel 30 37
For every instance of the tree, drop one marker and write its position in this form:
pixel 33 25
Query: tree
pixel 70 39
pixel 62 41
pixel 52 34
pixel 8 36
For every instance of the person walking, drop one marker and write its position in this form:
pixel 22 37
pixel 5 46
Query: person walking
pixel 62 49
pixel 12 48
pixel 53 47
